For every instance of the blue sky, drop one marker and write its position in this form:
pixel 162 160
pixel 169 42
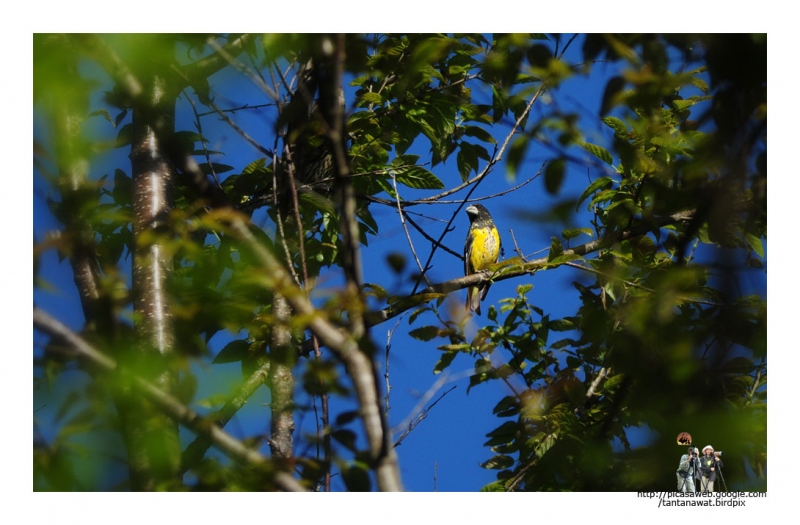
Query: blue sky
pixel 449 443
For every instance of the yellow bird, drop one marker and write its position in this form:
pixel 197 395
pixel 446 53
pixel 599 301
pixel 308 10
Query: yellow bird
pixel 481 250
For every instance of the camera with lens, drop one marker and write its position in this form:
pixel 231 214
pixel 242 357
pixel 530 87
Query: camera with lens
pixel 718 453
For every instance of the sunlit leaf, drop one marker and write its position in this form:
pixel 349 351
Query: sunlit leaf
pixel 597 151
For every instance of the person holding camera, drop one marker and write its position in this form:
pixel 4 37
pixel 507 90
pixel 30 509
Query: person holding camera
pixel 688 468
pixel 709 466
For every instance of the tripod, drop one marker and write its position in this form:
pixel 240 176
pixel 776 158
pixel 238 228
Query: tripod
pixel 684 481
pixel 719 473
pixel 705 482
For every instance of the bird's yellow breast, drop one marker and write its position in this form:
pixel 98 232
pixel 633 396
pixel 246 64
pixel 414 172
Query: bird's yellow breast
pixel 485 248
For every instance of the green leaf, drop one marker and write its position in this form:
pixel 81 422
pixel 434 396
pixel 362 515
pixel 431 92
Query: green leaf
pixel 319 202
pixel 509 428
pixel 479 133
pixel 507 406
pixel 611 94
pixel 372 98
pixel 254 166
pixel 545 445
pixel 397 262
pixel 496 486
pixel 404 160
pixel 738 365
pixel 124 136
pixel 597 151
pixel 425 333
pixel 346 417
pixel 417 178
pixel 620 130
pixel 556 249
pixel 601 183
pixel 416 313
pixel 375 290
pixel 467 160
pixel 700 84
pixel 562 325
pixel 498 462
pixel 346 438
pixel 613 382
pixel 571 233
pixel 205 167
pixel 455 347
pixel 554 175
pixel 499 104
pixel 515 155
pixel 444 362
pixel 567 257
pixel 356 478
pixel 103 113
pixel 120 117
pixel 233 352
pixel 755 243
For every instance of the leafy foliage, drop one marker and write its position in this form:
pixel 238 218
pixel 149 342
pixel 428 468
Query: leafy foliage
pixel 673 216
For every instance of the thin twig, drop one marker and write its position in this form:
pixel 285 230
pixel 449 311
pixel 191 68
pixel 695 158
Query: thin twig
pixel 595 383
pixel 240 108
pixel 242 133
pixel 437 199
pixel 237 65
pixel 516 246
pixel 199 127
pixel 431 239
pixel 326 436
pixel 279 224
pixel 405 229
pixel 424 414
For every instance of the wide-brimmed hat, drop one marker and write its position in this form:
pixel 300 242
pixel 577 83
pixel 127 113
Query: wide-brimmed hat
pixel 708 446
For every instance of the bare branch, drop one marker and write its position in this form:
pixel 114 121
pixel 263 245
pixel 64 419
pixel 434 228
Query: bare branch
pixel 228 55
pixel 431 239
pixel 405 229
pixel 424 414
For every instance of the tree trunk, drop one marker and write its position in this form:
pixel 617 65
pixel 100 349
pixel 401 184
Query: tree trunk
pixel 281 382
pixel 152 437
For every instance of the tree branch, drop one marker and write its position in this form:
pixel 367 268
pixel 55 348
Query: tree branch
pixel 164 401
pixel 195 451
pixel 358 362
pixel 358 365
pixel 509 269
